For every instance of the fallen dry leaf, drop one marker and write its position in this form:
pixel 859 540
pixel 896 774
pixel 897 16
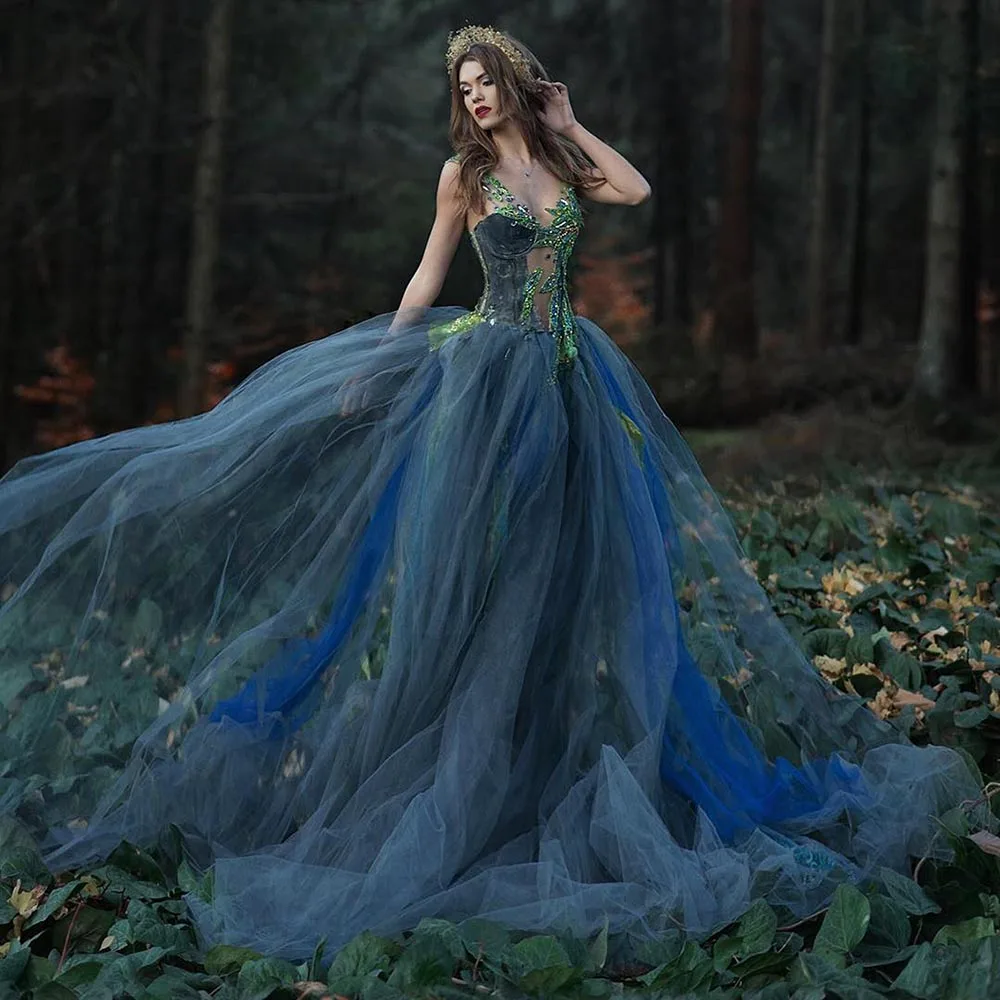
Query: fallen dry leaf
pixel 902 698
pixel 307 988
pixel 899 640
pixel 882 704
pixel 988 843
pixel 829 666
pixel 26 901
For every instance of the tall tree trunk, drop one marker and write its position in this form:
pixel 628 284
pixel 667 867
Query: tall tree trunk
pixel 68 286
pixel 936 374
pixel 136 354
pixel 817 286
pixel 988 353
pixel 671 211
pixel 206 207
pixel 736 317
pixel 860 196
pixel 967 360
pixel 13 72
pixel 725 31
pixel 109 282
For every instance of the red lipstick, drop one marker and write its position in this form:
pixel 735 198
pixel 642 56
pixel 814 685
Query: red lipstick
pixel 483 109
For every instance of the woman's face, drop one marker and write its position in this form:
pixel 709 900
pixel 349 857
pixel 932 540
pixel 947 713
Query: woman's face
pixel 480 94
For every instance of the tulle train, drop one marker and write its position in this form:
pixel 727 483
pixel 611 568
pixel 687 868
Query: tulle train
pixel 486 646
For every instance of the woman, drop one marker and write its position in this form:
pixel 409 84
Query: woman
pixel 438 617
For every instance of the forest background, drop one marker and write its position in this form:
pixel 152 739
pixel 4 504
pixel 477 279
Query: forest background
pixel 188 188
pixel 191 187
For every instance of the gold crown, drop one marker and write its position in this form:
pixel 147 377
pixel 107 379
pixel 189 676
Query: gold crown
pixel 460 41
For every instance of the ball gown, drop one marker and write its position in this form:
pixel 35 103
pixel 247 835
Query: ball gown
pixel 485 645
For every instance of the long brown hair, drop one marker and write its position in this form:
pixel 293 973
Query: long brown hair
pixel 522 101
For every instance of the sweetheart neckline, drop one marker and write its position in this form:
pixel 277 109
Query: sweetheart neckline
pixel 566 191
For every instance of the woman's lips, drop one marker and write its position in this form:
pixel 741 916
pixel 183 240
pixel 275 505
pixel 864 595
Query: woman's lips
pixel 482 111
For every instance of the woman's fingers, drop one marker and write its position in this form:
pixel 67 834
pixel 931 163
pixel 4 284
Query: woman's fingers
pixel 353 396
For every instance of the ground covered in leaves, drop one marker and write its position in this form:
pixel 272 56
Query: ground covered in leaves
pixel 890 579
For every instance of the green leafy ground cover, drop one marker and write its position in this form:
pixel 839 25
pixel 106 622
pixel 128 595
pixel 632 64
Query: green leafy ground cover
pixel 889 583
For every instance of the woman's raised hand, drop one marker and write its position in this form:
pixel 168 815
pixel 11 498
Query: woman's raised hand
pixel 558 112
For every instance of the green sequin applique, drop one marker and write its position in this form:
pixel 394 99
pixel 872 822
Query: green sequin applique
pixel 506 203
pixel 634 433
pixel 531 284
pixel 438 333
pixel 559 235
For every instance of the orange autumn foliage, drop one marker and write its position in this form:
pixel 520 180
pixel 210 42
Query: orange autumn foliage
pixel 612 290
pixel 66 395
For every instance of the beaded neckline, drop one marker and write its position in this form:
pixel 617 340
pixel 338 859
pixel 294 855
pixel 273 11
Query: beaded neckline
pixel 500 194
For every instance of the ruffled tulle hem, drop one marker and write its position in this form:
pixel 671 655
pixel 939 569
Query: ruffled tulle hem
pixel 405 627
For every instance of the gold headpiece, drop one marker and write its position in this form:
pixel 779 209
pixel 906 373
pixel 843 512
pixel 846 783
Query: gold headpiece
pixel 460 41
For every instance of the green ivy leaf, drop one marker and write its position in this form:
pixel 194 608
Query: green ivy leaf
pixel 179 984
pixel 19 855
pixel 907 893
pixel 687 973
pixel 540 965
pixel 425 962
pixel 825 642
pixel 984 628
pixel 13 680
pixel 797 578
pixel 725 950
pixel 445 932
pixel 844 925
pixel 53 902
pixel 225 959
pixel 374 989
pixel 90 926
pixel 485 940
pixel 757 929
pixel 13 964
pixel 872 593
pixel 597 949
pixel 889 923
pixel 362 956
pixel 972 717
pixel 815 969
pixel 926 973
pixel 967 930
pixel 976 975
pixel 260 977
pixel 124 975
pixel 53 991
pixel 118 881
pixel 859 650
pixel 905 670
pixel 144 629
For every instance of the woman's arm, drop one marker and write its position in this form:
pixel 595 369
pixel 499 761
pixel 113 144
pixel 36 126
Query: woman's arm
pixel 425 285
pixel 622 184
pixel 442 242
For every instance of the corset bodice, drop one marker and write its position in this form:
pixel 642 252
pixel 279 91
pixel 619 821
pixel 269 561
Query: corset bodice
pixel 525 268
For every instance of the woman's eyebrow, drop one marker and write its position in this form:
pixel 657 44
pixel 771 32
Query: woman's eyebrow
pixel 473 80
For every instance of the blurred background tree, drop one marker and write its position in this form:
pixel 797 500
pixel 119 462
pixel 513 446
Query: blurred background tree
pixel 188 188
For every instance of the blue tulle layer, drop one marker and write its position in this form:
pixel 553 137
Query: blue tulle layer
pixel 485 646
